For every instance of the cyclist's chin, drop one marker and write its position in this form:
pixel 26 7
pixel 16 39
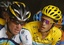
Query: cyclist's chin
pixel 43 30
pixel 16 32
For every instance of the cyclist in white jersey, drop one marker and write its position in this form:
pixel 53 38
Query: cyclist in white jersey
pixel 15 17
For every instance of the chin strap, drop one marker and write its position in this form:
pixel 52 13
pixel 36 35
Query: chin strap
pixel 7 28
pixel 50 28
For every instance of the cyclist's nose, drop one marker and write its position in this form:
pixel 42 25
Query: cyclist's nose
pixel 43 23
pixel 18 25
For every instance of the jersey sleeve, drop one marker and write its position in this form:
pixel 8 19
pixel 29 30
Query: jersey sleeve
pixel 56 36
pixel 25 37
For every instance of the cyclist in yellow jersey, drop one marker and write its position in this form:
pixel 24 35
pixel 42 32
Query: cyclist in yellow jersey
pixel 43 32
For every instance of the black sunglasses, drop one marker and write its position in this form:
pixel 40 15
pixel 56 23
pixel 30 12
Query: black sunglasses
pixel 17 21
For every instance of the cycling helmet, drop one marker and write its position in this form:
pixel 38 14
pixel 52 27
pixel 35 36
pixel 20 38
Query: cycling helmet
pixel 3 8
pixel 37 16
pixel 52 12
pixel 18 11
pixel 5 4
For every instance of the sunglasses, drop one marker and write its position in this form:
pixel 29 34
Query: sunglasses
pixel 46 21
pixel 17 22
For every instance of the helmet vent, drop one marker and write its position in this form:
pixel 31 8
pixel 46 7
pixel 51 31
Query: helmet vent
pixel 46 10
pixel 49 7
pixel 59 12
pixel 26 16
pixel 49 10
pixel 55 10
pixel 52 7
pixel 52 13
pixel 55 15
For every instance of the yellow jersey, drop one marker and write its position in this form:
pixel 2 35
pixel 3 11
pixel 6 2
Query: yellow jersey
pixel 2 21
pixel 53 37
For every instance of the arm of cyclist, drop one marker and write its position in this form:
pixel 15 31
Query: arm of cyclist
pixel 61 42
pixel 25 37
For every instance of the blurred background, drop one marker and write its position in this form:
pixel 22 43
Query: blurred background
pixel 35 5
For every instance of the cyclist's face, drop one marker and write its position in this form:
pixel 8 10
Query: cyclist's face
pixel 46 24
pixel 15 26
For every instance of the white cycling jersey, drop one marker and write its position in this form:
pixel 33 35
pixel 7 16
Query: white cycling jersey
pixel 25 37
pixel 4 38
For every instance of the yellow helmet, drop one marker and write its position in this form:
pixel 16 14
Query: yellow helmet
pixel 52 12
